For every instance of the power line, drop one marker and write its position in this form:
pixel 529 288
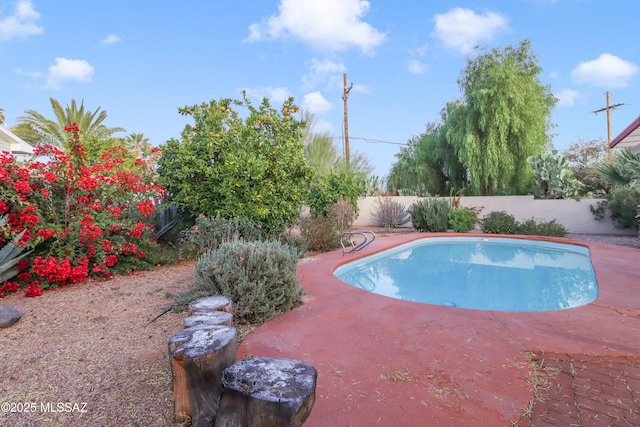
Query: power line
pixel 372 141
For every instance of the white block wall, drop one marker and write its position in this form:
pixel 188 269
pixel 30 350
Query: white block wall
pixel 574 215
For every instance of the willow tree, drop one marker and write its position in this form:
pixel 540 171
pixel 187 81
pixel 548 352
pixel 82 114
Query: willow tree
pixel 429 164
pixel 506 118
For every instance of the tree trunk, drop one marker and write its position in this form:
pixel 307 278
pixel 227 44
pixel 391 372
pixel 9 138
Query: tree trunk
pixel 199 355
pixel 214 303
pixel 267 392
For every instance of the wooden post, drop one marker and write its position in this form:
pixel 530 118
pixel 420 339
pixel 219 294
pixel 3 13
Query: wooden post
pixel 345 96
pixel 608 109
pixel 267 392
pixel 214 303
pixel 199 355
pixel 209 318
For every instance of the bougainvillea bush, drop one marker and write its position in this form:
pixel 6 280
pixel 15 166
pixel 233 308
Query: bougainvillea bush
pixel 81 220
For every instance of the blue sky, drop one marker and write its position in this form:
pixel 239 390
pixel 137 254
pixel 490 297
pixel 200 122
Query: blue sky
pixel 141 61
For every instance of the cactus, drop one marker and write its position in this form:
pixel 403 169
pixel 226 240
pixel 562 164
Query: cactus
pixel 554 176
pixel 10 254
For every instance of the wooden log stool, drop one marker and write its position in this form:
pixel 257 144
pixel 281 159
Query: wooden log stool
pixel 209 318
pixel 199 355
pixel 267 392
pixel 214 303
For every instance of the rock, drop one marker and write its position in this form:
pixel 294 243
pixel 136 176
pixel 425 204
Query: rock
pixel 8 316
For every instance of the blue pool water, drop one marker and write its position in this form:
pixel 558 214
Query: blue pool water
pixel 479 273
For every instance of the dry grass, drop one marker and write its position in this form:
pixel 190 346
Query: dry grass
pixel 539 382
pixel 90 345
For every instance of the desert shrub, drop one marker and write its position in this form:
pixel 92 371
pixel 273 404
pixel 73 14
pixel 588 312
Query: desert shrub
pixel 462 220
pixel 320 233
pixel 621 205
pixel 499 223
pixel 389 213
pixel 209 232
pixel 343 214
pixel 259 277
pixel 504 223
pixel 535 227
pixel 431 214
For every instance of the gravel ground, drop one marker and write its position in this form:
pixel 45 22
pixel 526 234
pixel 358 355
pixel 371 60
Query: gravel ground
pixel 613 239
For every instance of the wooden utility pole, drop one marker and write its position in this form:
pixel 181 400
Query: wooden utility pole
pixel 608 109
pixel 345 96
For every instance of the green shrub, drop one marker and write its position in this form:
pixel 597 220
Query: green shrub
pixel 431 214
pixel 499 223
pixel 320 233
pixel 389 213
pixel 462 220
pixel 622 206
pixel 534 227
pixel 329 189
pixel 503 223
pixel 259 277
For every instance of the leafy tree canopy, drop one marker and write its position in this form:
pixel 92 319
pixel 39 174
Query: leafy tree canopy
pixel 238 167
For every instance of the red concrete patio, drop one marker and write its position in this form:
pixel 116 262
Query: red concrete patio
pixel 387 362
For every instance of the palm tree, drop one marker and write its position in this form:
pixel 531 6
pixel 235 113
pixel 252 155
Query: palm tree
pixel 623 168
pixel 139 145
pixel 1 116
pixel 35 128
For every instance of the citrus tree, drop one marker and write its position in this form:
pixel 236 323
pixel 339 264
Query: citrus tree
pixel 238 166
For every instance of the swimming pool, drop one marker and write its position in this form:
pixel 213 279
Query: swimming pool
pixel 484 273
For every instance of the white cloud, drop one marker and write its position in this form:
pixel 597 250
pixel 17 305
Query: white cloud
pixel 68 69
pixel 567 97
pixel 323 126
pixel 322 71
pixel 22 23
pixel 316 103
pixel 30 74
pixel 463 29
pixel 419 51
pixel 276 95
pixel 607 71
pixel 111 39
pixel 417 67
pixel 333 25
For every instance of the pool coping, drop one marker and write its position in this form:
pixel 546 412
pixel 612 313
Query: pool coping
pixel 383 361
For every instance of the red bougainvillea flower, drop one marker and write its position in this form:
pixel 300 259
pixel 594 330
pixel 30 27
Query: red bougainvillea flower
pixel 73 127
pixel 33 291
pixel 146 208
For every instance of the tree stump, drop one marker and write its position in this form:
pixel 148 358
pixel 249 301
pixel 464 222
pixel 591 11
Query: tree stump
pixel 214 303
pixel 209 318
pixel 267 392
pixel 199 355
